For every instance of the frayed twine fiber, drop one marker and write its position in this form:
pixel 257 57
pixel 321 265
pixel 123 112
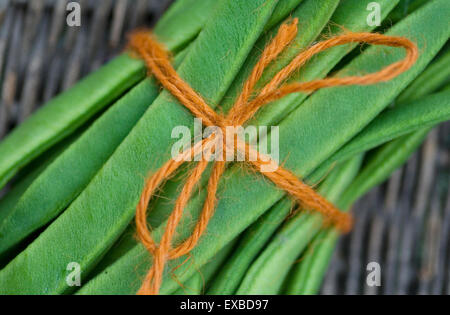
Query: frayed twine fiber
pixel 246 106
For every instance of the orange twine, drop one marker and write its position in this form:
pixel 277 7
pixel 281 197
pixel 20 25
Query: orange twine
pixel 157 60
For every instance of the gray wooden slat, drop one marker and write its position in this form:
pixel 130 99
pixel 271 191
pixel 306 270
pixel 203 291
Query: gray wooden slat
pixel 393 232
pixel 356 259
pixel 414 226
pixel 34 74
pixel 117 29
pixel 12 67
pixel 138 13
pixel 331 284
pixel 430 250
pixel 97 35
pixel 58 21
pixel 5 35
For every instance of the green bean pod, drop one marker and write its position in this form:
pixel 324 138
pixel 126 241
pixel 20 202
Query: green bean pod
pixel 303 146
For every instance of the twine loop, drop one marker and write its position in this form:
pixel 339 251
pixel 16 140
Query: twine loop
pixel 245 107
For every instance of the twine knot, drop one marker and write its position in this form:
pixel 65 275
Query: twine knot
pixel 245 107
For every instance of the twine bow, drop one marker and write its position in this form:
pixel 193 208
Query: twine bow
pixel 245 107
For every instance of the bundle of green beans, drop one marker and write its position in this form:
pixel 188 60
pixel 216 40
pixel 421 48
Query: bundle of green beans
pixel 78 165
